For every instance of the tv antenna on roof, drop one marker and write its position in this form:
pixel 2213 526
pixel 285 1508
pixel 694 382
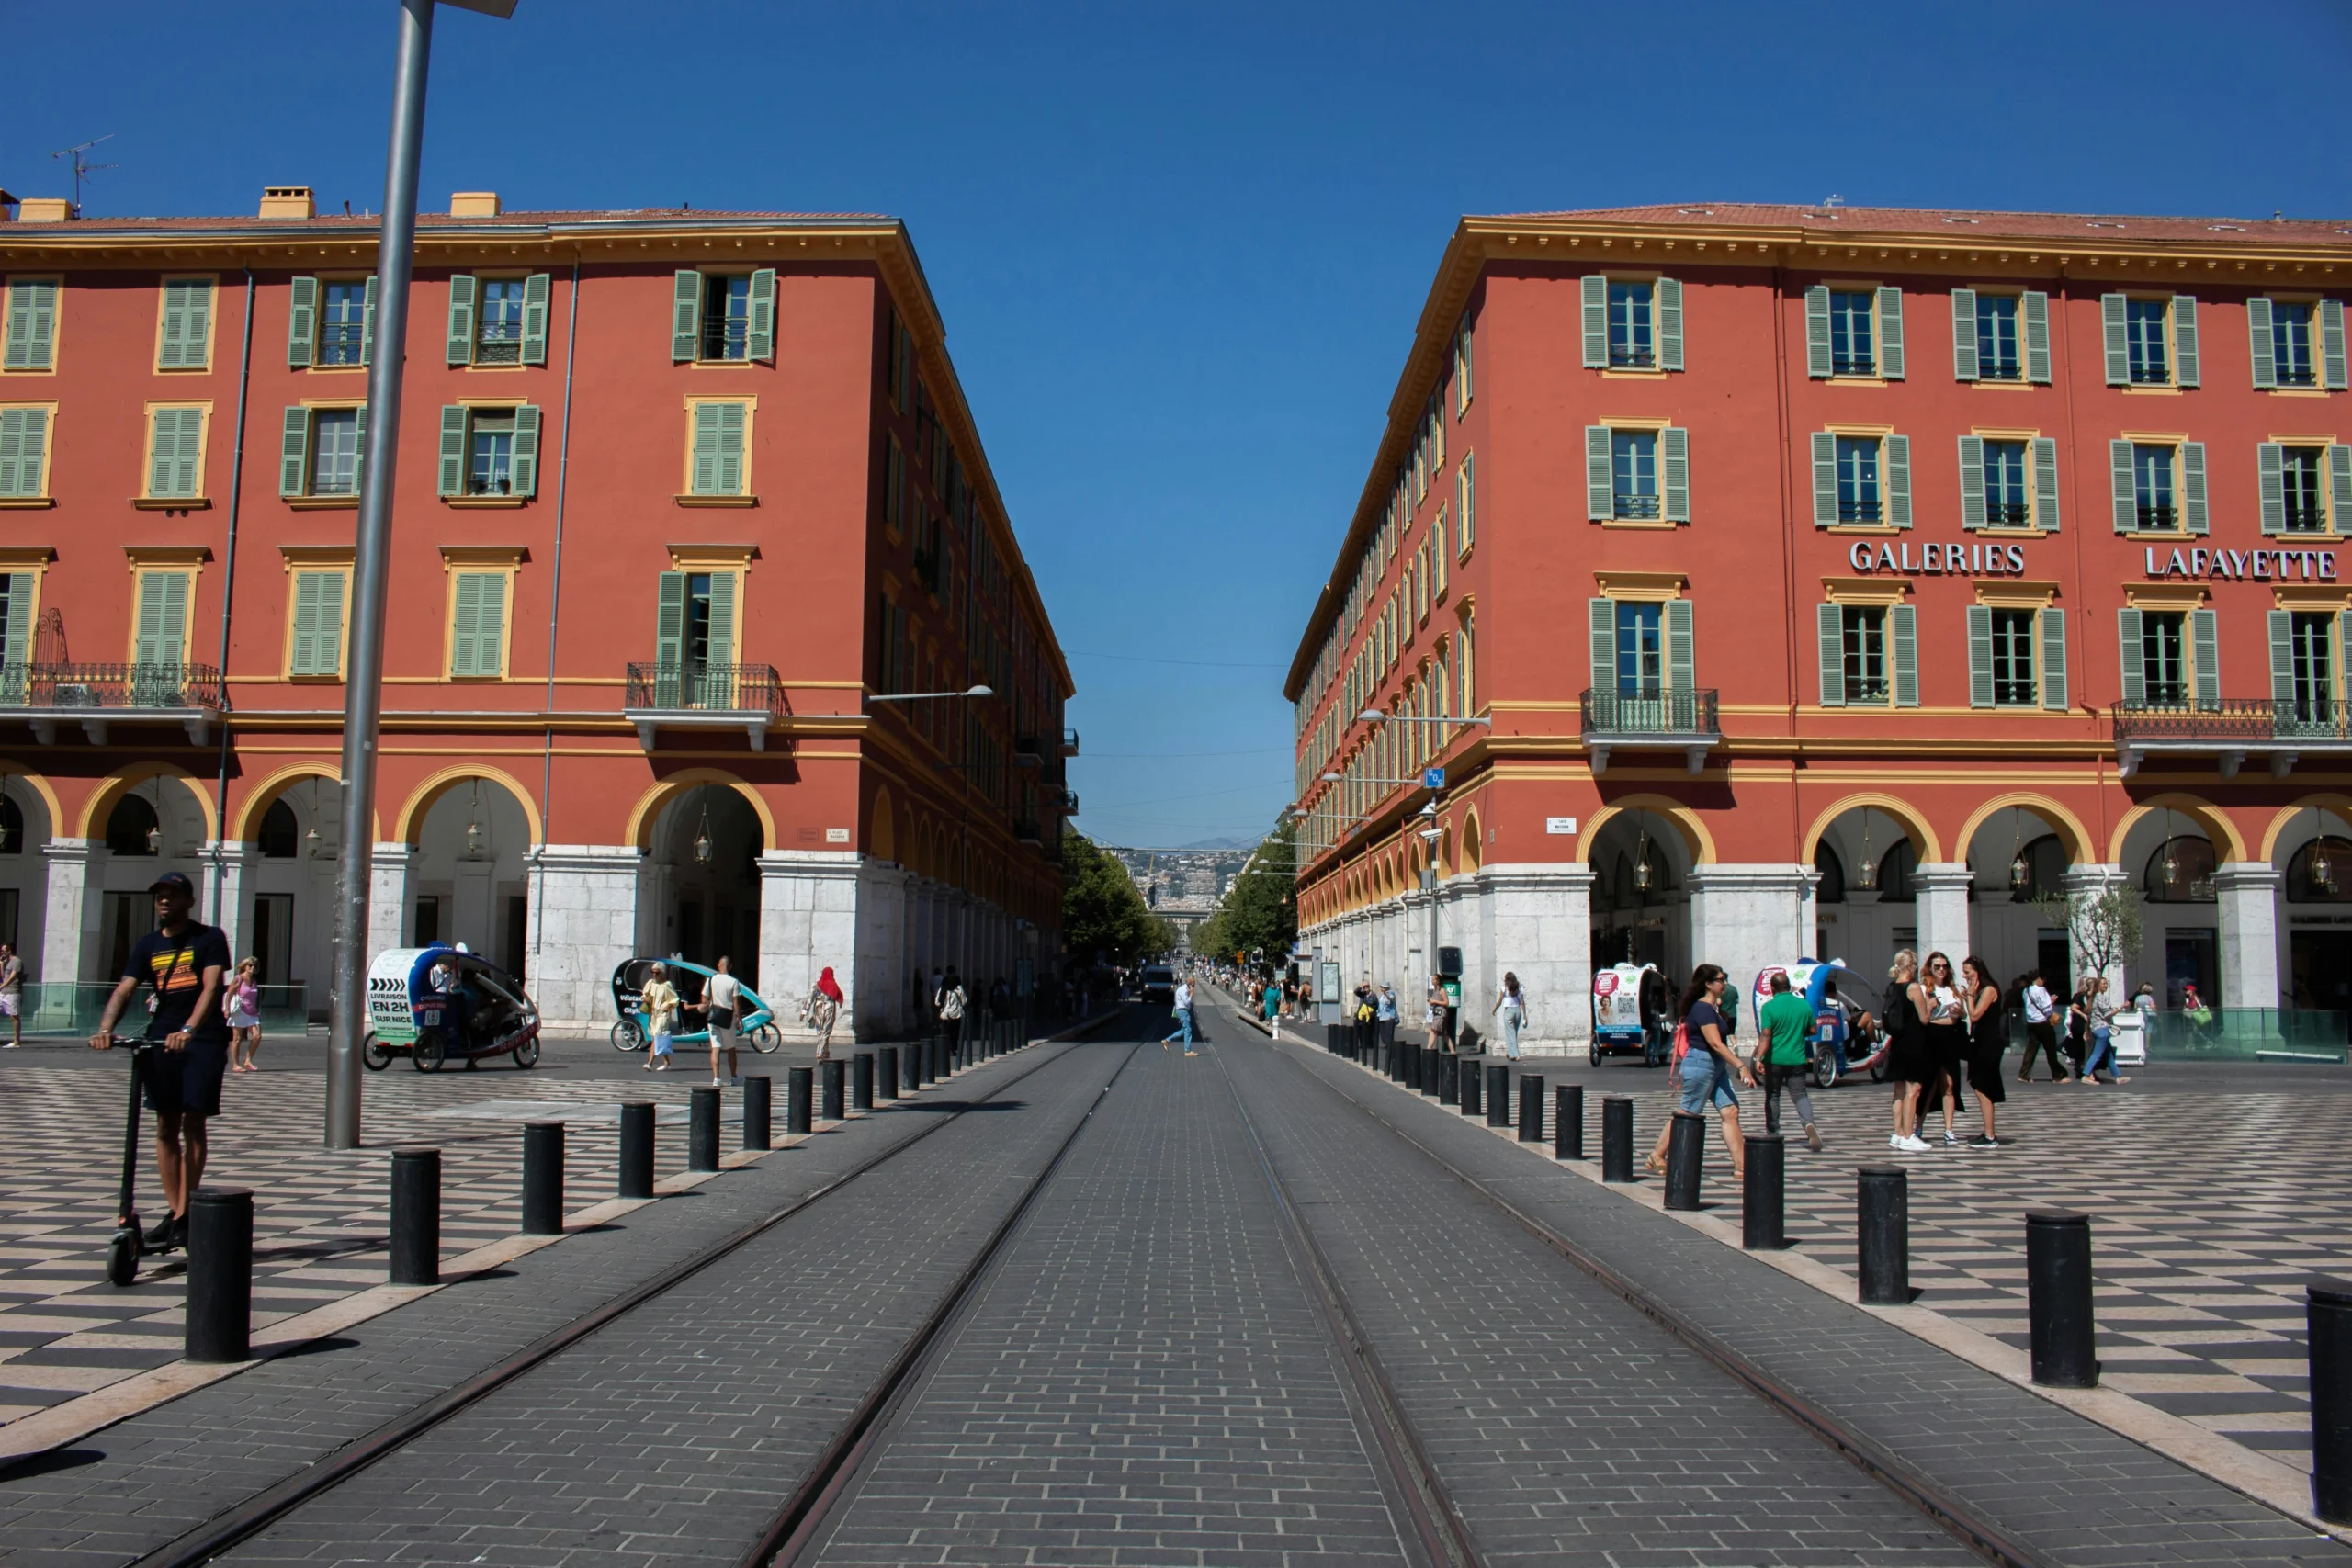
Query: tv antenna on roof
pixel 82 171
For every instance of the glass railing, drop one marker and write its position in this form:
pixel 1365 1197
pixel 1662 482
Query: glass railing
pixel 75 1007
pixel 2314 1035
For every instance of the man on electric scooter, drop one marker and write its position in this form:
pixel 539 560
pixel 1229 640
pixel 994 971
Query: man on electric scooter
pixel 184 961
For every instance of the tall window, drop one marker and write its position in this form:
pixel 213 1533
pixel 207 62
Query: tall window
pixel 2152 487
pixel 1850 349
pixel 2007 502
pixel 343 322
pixel 2013 684
pixel 1641 650
pixel 1858 498
pixel 2291 343
pixel 2300 488
pixel 2144 328
pixel 1864 636
pixel 499 327
pixel 1997 338
pixel 335 452
pixel 2164 661
pixel 23 452
pixel 2312 645
pixel 1631 339
pixel 718 466
pixel 726 316
pixel 1466 485
pixel 489 466
pixel 1633 472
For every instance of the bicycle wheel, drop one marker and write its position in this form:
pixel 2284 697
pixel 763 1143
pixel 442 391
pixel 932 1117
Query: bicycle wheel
pixel 628 1035
pixel 765 1040
pixel 374 1055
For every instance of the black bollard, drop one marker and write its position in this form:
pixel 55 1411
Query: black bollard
pixel 1472 1101
pixel 1762 1222
pixel 886 1073
pixel 416 1216
pixel 2328 1314
pixel 701 1129
pixel 220 1274
pixel 1449 1079
pixel 758 1124
pixel 1686 1155
pixel 1616 1138
pixel 1567 1122
pixel 861 1081
pixel 2058 1298
pixel 831 1076
pixel 1531 1109
pixel 542 1179
pixel 800 1086
pixel 637 1149
pixel 1883 1235
pixel 1497 1097
pixel 910 1067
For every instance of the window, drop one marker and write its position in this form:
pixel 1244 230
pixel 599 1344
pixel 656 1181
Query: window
pixel 1465 487
pixel 2302 666
pixel 1637 475
pixel 716 464
pixel 2008 483
pixel 1868 655
pixel 1634 473
pixel 695 641
pixel 489 452
pixel 330 322
pixel 2306 487
pixel 2016 658
pixel 324 453
pixel 2013 684
pixel 2150 342
pixel 175 454
pixel 1853 331
pixel 1850 353
pixel 500 331
pixel 1629 339
pixel 2163 665
pixel 1462 369
pixel 1633 323
pixel 1858 499
pixel 24 452
pixel 20 590
pixel 2159 486
pixel 185 334
pixel 2291 344
pixel 724 317
pixel 477 624
pixel 1861 480
pixel 2170 657
pixel 1863 633
pixel 314 646
pixel 1996 339
pixel 1641 650
pixel 2002 337
pixel 2284 351
pixel 2005 501
pixel 2143 327
pixel 159 632
pixel 2299 472
pixel 32 325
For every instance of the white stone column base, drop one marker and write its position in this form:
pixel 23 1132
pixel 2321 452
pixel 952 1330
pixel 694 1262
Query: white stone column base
pixel 2248 895
pixel 583 909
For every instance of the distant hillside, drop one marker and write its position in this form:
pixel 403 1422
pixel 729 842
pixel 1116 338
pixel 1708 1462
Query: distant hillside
pixel 1222 844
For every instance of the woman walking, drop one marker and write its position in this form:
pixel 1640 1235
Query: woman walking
pixel 1708 1067
pixel 659 1001
pixel 824 1012
pixel 2098 1010
pixel 1511 1008
pixel 1908 1062
pixel 1947 1044
pixel 1269 1002
pixel 1988 1032
pixel 243 1006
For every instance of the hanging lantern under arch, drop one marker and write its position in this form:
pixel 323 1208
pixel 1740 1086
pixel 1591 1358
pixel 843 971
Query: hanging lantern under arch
pixel 702 846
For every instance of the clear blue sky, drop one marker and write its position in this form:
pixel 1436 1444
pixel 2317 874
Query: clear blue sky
pixel 1180 248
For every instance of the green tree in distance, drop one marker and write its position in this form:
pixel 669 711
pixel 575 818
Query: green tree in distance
pixel 1103 917
pixel 1260 910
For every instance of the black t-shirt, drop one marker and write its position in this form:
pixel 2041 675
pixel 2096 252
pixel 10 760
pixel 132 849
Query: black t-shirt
pixel 1703 1014
pixel 174 966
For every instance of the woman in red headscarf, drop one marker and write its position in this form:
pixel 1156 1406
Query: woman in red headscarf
pixel 824 1007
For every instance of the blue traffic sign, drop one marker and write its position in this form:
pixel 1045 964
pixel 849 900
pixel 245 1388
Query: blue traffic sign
pixel 1432 778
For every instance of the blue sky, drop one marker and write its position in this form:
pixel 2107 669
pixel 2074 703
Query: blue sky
pixel 1181 249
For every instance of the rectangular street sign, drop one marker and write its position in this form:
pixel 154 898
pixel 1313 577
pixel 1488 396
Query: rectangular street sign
pixel 1559 824
pixel 1432 778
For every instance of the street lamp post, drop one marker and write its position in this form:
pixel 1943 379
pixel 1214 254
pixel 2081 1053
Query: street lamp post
pixel 1432 834
pixel 364 670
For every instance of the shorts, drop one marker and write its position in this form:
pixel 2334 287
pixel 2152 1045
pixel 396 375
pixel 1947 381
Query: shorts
pixel 11 1003
pixel 244 1020
pixel 186 1081
pixel 1706 1080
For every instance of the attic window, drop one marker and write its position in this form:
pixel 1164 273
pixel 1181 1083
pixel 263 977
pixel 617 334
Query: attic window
pixel 2226 228
pixel 1962 220
pixel 1695 212
pixel 2103 223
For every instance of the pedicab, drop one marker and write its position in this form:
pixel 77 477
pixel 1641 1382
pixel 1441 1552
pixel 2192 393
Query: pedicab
pixel 754 1019
pixel 1840 1044
pixel 1630 1014
pixel 440 1003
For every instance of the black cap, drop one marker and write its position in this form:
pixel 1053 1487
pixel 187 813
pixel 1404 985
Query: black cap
pixel 173 882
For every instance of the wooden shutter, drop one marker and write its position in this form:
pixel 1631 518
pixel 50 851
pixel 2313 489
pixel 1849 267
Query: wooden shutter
pixel 2192 485
pixel 2282 655
pixel 163 619
pixel 2132 657
pixel 670 632
pixel 1890 334
pixel 1596 323
pixel 294 465
pixel 1816 331
pixel 2205 643
pixel 453 449
pixel 1896 465
pixel 1468 485
pixel 2183 340
pixel 304 656
pixel 2271 470
pixel 1669 323
pixel 16 638
pixel 2033 305
pixel 172 459
pixel 2257 327
pixel 705 450
pixel 359 452
pixel 1681 655
pixel 1674 465
pixel 722 634
pixel 1980 655
pixel 2054 658
pixel 526 470
pixel 685 317
pixel 2339 486
pixel 188 313
pixel 762 333
pixel 2332 366
pixel 535 319
pixel 2127 504
pixel 1600 490
pixel 2115 332
pixel 730 448
pixel 490 638
pixel 1972 481
pixel 462 293
pixel 2045 483
pixel 367 323
pixel 1963 334
pixel 1825 479
pixel 302 322
pixel 465 626
pixel 1831 623
pixel 1904 621
pixel 1603 615
pixel 24 438
pixel 32 325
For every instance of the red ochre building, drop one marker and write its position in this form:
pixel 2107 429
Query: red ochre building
pixel 678 491
pixel 1839 580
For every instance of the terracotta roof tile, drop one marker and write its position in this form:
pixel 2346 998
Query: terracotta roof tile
pixel 369 223
pixel 2082 228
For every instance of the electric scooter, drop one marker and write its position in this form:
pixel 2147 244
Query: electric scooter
pixel 124 1250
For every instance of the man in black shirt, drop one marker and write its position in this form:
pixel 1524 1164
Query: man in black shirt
pixel 184 961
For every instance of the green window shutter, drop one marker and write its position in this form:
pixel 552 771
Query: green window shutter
pixel 2127 507
pixel 490 637
pixel 705 471
pixel 535 319
pixel 1890 334
pixel 1669 323
pixel 2271 470
pixel 2257 327
pixel 762 332
pixel 172 461
pixel 331 625
pixel 1980 655
pixel 2332 366
pixel 1681 655
pixel 2339 485
pixel 2114 313
pixel 1897 460
pixel 24 438
pixel 303 656
pixel 453 449
pixel 526 470
pixel 2045 483
pixel 1825 479
pixel 2282 655
pixel 162 618
pixel 462 291
pixel 722 617
pixel 302 322
pixel 730 448
pixel 465 626
pixel 1596 323
pixel 1972 481
pixel 2192 485
pixel 1603 612
pixel 188 311
pixel 1830 621
pixel 1963 334
pixel 1905 619
pixel 367 325
pixel 359 439
pixel 2054 660
pixel 17 637
pixel 1816 331
pixel 1600 496
pixel 686 316
pixel 1674 464
pixel 32 325
pixel 2130 656
pixel 670 629
pixel 294 466
pixel 1469 487
pixel 2205 643
pixel 2183 340
pixel 2034 306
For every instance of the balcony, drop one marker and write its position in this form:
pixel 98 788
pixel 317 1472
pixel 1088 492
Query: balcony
pixel 101 696
pixel 1069 742
pixel 711 696
pixel 1666 721
pixel 2231 729
pixel 1066 803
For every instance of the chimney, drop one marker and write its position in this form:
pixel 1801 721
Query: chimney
pixel 8 206
pixel 44 209
pixel 288 201
pixel 473 204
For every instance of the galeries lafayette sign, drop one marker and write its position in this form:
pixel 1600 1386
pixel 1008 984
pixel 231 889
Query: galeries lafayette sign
pixel 2267 564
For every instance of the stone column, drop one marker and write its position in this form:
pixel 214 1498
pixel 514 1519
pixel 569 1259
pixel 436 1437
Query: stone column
pixel 2248 895
pixel 393 870
pixel 1541 922
pixel 70 922
pixel 225 899
pixel 584 925
pixel 881 951
pixel 1942 890
pixel 2093 878
pixel 807 920
pixel 1745 918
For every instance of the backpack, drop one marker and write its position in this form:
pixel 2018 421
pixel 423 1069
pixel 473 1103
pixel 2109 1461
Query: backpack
pixel 1682 1043
pixel 1363 1012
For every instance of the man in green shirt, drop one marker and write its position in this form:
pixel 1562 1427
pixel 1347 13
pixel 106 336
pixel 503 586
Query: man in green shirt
pixel 1784 1025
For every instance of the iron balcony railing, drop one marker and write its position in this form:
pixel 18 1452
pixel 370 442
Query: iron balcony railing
pixel 1070 742
pixel 709 688
pixel 2226 721
pixel 500 342
pixel 89 686
pixel 1635 506
pixel 1863 510
pixel 2007 513
pixel 2156 517
pixel 341 342
pixel 1678 712
pixel 726 337
pixel 1988 368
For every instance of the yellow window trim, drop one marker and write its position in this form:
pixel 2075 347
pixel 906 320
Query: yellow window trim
pixel 2144 391
pixel 2164 595
pixel 2016 594
pixel 143 556
pixel 146 561
pixel 507 402
pixel 2152 438
pixel 1635 373
pixel 1865 590
pixel 203 450
pixel 2299 597
pixel 333 402
pixel 1995 433
pixel 1650 586
pixel 479 557
pixel 211 322
pixel 56 322
pixel 1860 432
pixel 503 564
pixel 48 445
pixel 27 557
pixel 2302 440
pixel 720 558
pixel 1854 381
pixel 314 558
pixel 745 496
pixel 1652 426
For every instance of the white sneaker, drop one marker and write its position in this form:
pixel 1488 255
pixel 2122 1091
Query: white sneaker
pixel 1951 1139
pixel 1894 1140
pixel 1914 1145
pixel 715 1083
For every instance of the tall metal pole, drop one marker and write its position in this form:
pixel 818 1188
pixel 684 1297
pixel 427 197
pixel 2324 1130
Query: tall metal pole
pixel 364 673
